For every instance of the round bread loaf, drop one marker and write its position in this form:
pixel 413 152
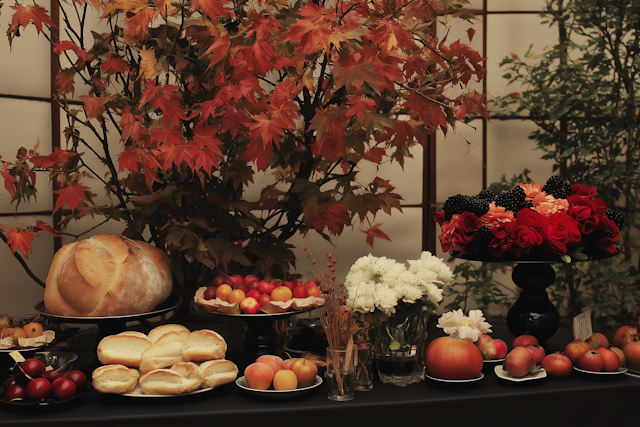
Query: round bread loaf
pixel 107 275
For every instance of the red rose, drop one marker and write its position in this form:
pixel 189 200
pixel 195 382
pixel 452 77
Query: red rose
pixel 583 210
pixel 560 234
pixel 439 218
pixel 524 238
pixel 459 231
pixel 502 240
pixel 529 218
pixel 583 190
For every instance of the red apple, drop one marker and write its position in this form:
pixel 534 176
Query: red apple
pixel 258 376
pixel 287 284
pixel 63 389
pixel 38 389
pixel 300 292
pixel 33 367
pixel 52 375
pixel 239 279
pixel 249 305
pixel 557 365
pixel 15 391
pixel 525 340
pixel 252 285
pixel 597 340
pixel 293 280
pixel 10 381
pixel 575 348
pixel 253 293
pixel 624 335
pixel 219 280
pixel 78 377
pixel 610 360
pixel 537 352
pixel 264 300
pixel 501 348
pixel 209 293
pixel 591 360
pixel 242 287
pixel 250 278
pixel 265 287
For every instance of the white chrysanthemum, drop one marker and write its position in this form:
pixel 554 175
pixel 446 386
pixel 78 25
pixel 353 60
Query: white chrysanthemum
pixel 379 282
pixel 468 328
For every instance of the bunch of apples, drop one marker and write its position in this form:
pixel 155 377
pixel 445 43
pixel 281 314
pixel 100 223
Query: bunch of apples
pixel 33 381
pixel 272 372
pixel 32 329
pixel 253 293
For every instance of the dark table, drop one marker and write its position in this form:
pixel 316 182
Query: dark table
pixel 581 398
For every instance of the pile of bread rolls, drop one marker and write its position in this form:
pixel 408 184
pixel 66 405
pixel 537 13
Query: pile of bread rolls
pixel 171 359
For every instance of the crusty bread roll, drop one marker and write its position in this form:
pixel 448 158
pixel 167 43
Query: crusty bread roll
pixel 159 331
pixel 218 372
pixel 107 275
pixel 160 356
pixel 162 381
pixel 203 345
pixel 173 336
pixel 191 375
pixel 123 349
pixel 134 334
pixel 114 379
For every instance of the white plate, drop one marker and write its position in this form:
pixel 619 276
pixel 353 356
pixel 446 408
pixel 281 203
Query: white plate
pixel 619 371
pixel 494 361
pixel 242 383
pixel 478 378
pixel 502 373
pixel 138 393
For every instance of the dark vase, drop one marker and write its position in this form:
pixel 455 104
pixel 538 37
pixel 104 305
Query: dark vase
pixel 533 313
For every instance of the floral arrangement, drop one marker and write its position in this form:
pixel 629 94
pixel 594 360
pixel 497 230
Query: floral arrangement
pixel 530 220
pixel 380 283
pixel 468 328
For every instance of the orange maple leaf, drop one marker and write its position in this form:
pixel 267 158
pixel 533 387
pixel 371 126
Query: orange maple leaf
pixel 375 232
pixel 20 239
pixel 9 180
pixel 70 195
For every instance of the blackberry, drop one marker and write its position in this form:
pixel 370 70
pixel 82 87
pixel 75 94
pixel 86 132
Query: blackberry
pixel 486 195
pixel 511 200
pixel 615 217
pixel 459 203
pixel 481 239
pixel 557 187
pixel 524 205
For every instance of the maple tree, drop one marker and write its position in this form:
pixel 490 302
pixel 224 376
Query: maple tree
pixel 184 102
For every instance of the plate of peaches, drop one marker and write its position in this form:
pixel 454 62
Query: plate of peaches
pixel 249 295
pixel 25 332
pixel 272 376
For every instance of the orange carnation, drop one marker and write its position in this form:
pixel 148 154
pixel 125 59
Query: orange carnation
pixel 547 205
pixel 531 190
pixel 496 215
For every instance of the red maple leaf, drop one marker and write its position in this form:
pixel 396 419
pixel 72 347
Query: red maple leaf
pixel 129 159
pixel 25 14
pixel 94 106
pixel 220 49
pixel 65 79
pixel 375 232
pixel 269 129
pixel 213 8
pixel 9 180
pixel 115 64
pixel 70 195
pixel 333 217
pixel 20 239
pixel 329 133
pixel 360 106
pixel 45 227
pixel 58 157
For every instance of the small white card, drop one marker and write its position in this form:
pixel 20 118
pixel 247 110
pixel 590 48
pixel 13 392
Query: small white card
pixel 16 356
pixel 582 325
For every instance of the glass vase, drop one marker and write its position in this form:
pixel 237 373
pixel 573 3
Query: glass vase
pixel 400 343
pixel 340 374
pixel 364 367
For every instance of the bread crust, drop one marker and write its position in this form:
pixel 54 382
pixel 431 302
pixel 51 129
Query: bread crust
pixel 122 349
pixel 204 344
pixel 218 372
pixel 191 375
pixel 107 275
pixel 160 356
pixel 156 333
pixel 162 381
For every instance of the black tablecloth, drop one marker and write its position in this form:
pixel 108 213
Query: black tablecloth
pixel 491 401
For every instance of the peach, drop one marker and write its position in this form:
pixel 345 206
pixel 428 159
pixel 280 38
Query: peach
pixel 274 361
pixel 285 380
pixel 306 372
pixel 33 329
pixel 287 363
pixel 258 376
pixel 250 305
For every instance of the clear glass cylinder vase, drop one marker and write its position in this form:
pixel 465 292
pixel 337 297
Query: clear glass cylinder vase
pixel 399 344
